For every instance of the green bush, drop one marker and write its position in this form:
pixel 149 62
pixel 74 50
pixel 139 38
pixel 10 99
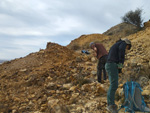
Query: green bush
pixel 134 17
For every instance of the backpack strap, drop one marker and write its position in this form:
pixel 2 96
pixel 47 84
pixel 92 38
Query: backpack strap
pixel 133 96
pixel 126 90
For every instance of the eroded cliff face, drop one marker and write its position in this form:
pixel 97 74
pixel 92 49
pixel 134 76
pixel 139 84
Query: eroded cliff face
pixel 60 80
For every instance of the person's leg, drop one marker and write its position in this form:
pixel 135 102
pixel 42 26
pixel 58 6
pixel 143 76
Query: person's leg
pixel 99 70
pixel 104 74
pixel 112 70
pixel 104 70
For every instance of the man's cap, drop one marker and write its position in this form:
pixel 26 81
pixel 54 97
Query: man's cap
pixel 91 44
pixel 126 40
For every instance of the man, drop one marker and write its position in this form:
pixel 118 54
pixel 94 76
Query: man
pixel 101 54
pixel 115 62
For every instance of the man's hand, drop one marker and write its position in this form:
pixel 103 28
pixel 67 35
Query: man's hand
pixel 95 51
pixel 120 66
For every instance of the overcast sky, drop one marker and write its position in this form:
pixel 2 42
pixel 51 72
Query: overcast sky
pixel 27 25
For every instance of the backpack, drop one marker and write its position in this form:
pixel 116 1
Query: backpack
pixel 134 101
pixel 84 51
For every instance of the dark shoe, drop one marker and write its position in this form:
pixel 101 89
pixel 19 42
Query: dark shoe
pixel 102 81
pixel 112 108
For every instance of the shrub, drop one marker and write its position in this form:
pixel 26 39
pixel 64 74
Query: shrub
pixel 134 17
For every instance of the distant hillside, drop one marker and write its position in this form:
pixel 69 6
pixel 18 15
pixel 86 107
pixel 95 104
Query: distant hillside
pixel 1 61
pixel 107 38
pixel 84 40
pixel 121 30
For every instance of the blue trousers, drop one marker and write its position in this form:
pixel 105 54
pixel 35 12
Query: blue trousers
pixel 112 71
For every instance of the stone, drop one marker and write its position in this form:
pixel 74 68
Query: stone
pixel 44 99
pixel 143 80
pixel 93 72
pixel 146 92
pixel 43 107
pixel 23 70
pixel 100 91
pixel 93 59
pixel 147 87
pixel 121 86
pixel 16 99
pixel 75 95
pixel 14 111
pixel 120 91
pixel 37 112
pixel 89 63
pixel 86 87
pixel 80 109
pixel 67 86
pixel 73 88
pixel 50 85
pixel 56 106
pixel 52 101
pixel 78 59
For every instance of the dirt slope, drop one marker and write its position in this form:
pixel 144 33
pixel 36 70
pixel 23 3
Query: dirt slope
pixel 51 80
pixel 139 55
pixel 25 79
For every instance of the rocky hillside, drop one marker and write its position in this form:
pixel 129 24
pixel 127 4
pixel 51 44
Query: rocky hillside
pixel 54 80
pixel 137 64
pixel 60 80
pixel 84 40
pixel 139 55
pixel 121 30
pixel 107 38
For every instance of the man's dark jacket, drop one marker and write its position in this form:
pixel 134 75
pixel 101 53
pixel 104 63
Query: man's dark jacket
pixel 117 52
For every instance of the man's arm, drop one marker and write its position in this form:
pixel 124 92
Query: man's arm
pixel 122 48
pixel 95 51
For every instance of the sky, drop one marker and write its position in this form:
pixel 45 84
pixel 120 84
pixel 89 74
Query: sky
pixel 27 25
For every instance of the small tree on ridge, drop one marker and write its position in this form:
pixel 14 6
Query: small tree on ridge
pixel 134 17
